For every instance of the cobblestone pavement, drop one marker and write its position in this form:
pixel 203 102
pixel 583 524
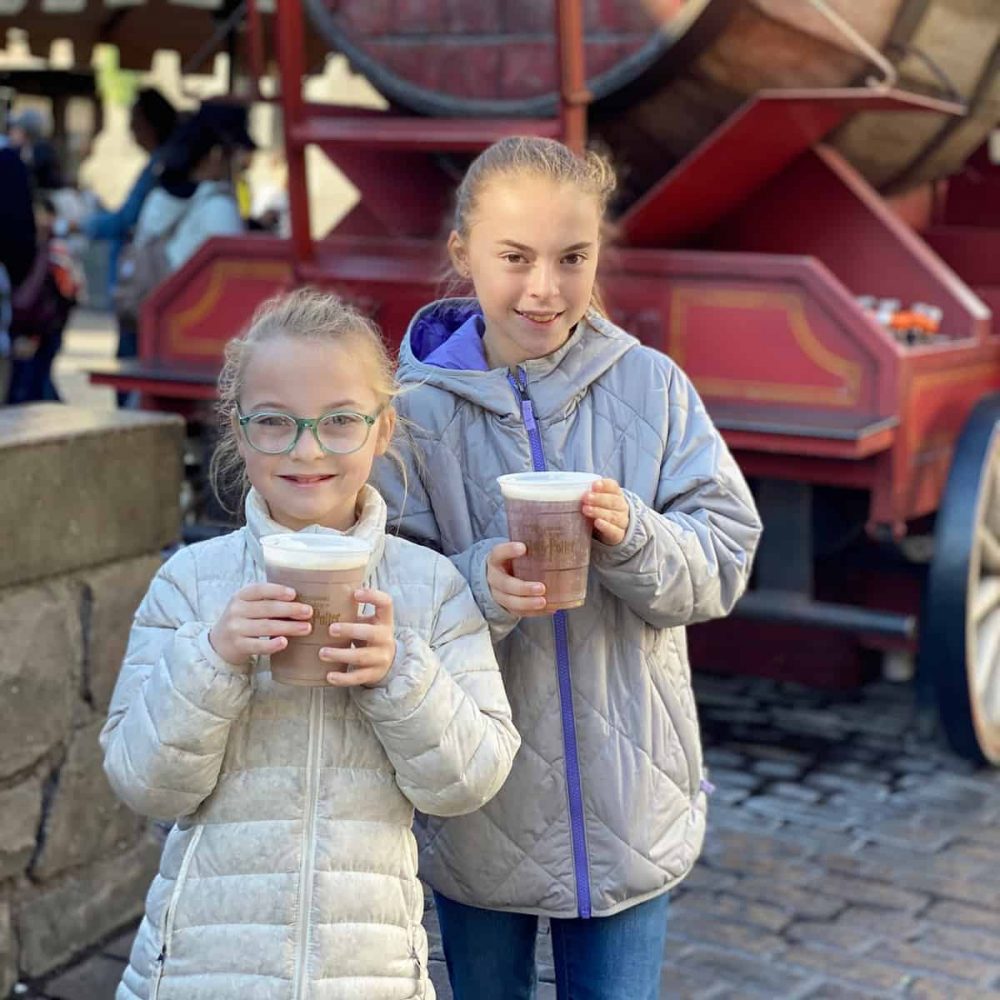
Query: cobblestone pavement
pixel 849 857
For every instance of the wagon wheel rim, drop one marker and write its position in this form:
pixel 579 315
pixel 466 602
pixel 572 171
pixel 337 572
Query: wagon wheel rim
pixel 982 613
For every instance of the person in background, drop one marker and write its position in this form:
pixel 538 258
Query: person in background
pixel 40 308
pixel 152 122
pixel 27 135
pixel 195 198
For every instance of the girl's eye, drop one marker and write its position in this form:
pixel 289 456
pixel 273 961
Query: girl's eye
pixel 271 420
pixel 340 420
pixel 513 258
pixel 574 258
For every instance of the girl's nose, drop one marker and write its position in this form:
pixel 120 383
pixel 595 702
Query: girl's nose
pixel 307 447
pixel 542 283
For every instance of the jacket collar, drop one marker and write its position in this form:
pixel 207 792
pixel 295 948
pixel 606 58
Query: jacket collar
pixel 555 382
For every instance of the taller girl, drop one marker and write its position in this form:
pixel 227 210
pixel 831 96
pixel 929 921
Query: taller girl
pixel 605 807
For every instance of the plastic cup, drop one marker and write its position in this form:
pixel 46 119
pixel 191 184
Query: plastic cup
pixel 543 512
pixel 324 571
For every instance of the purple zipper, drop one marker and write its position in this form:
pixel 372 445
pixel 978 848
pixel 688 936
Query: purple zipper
pixel 581 863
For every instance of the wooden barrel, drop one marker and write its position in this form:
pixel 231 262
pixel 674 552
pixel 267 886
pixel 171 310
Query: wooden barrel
pixel 665 73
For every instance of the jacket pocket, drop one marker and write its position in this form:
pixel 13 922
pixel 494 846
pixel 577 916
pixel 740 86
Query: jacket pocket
pixel 167 928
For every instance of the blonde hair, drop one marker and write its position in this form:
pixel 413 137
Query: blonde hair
pixel 304 314
pixel 534 156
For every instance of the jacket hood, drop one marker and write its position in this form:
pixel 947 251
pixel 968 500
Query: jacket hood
pixel 555 381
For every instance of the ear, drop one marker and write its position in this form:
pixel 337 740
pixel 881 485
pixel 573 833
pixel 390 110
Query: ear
pixel 386 426
pixel 458 252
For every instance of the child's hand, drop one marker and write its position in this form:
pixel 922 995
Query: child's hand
pixel 607 507
pixel 369 660
pixel 256 622
pixel 519 597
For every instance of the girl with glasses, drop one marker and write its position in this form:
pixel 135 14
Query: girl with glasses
pixel 290 871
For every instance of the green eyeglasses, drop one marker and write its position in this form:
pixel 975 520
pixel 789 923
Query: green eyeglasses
pixel 338 433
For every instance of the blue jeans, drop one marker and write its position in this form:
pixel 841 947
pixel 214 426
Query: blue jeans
pixel 491 955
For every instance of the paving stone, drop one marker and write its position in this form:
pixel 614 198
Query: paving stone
pixel 883 925
pixel 804 815
pixel 713 930
pixel 940 989
pixel 794 791
pixel 837 935
pixel 857 969
pixel 924 958
pixel 835 991
pixel 719 757
pixel 958 914
pixel 723 904
pixel 782 769
pixel 796 900
pixel 94 979
pixel 708 966
pixel 869 892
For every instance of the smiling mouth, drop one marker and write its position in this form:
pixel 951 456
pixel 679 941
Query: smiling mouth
pixel 307 480
pixel 539 318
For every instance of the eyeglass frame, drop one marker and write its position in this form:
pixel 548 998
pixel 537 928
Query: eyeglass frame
pixel 312 423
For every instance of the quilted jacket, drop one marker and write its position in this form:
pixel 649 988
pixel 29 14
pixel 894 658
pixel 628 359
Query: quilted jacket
pixel 290 873
pixel 605 806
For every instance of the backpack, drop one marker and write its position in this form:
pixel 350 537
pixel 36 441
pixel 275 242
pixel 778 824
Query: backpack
pixel 140 269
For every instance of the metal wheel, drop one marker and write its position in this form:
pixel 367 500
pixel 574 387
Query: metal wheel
pixel 960 624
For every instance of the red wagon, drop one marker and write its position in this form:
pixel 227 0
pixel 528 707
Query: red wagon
pixel 774 200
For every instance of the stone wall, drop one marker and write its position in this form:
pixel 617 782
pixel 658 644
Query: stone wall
pixel 88 502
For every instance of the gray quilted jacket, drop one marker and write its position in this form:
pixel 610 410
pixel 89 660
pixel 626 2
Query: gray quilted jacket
pixel 605 805
pixel 291 871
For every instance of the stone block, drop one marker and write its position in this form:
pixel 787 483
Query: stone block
pixel 84 820
pixel 56 922
pixel 97 977
pixel 112 593
pixel 39 670
pixel 20 811
pixel 83 487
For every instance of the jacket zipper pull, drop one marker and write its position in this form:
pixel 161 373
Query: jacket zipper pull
pixel 527 410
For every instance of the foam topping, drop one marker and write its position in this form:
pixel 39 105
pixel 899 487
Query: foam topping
pixel 315 552
pixel 546 487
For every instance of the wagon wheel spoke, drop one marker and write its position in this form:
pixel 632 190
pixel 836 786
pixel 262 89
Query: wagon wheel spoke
pixel 989 549
pixel 985 599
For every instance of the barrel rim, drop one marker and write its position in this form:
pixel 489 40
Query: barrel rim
pixel 637 74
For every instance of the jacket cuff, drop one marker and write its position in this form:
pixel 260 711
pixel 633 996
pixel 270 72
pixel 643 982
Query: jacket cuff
pixel 635 536
pixel 500 620
pixel 404 686
pixel 205 679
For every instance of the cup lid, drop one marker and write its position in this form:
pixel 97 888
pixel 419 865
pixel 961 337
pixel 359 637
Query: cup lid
pixel 546 486
pixel 308 550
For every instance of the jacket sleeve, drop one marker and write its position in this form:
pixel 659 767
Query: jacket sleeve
pixel 442 713
pixel 688 558
pixel 117 225
pixel 411 515
pixel 174 702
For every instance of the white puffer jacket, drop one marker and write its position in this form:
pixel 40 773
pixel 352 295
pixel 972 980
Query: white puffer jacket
pixel 291 871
